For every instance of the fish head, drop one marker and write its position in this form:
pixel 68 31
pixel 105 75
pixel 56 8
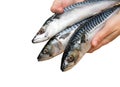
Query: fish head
pixel 70 59
pixel 46 53
pixel 51 49
pixel 41 35
pixel 46 30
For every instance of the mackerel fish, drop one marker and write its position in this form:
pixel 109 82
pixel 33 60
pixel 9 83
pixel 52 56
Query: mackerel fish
pixel 80 41
pixel 72 14
pixel 58 42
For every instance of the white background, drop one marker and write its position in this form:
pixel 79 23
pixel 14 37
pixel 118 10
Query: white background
pixel 19 22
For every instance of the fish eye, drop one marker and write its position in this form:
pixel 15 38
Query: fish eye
pixel 41 31
pixel 70 59
pixel 45 51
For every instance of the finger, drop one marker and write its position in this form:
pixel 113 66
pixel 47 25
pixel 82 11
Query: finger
pixel 78 1
pixel 114 31
pixel 101 35
pixel 110 26
pixel 108 39
pixel 59 5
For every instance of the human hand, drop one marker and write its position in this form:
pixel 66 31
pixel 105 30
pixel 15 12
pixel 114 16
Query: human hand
pixel 59 5
pixel 110 31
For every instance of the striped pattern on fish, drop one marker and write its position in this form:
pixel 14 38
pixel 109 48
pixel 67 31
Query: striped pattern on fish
pixel 57 43
pixel 80 4
pixel 80 42
pixel 72 14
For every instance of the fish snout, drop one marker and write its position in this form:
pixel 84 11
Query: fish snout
pixel 65 66
pixel 43 57
pixel 41 36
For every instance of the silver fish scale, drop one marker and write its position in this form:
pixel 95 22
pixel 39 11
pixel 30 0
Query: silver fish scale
pixel 74 26
pixel 89 26
pixel 68 29
pixel 79 4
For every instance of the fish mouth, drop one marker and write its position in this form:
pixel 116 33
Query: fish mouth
pixel 39 38
pixel 66 67
pixel 42 57
pixel 39 58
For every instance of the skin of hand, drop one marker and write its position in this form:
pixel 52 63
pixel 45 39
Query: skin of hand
pixel 59 5
pixel 110 31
